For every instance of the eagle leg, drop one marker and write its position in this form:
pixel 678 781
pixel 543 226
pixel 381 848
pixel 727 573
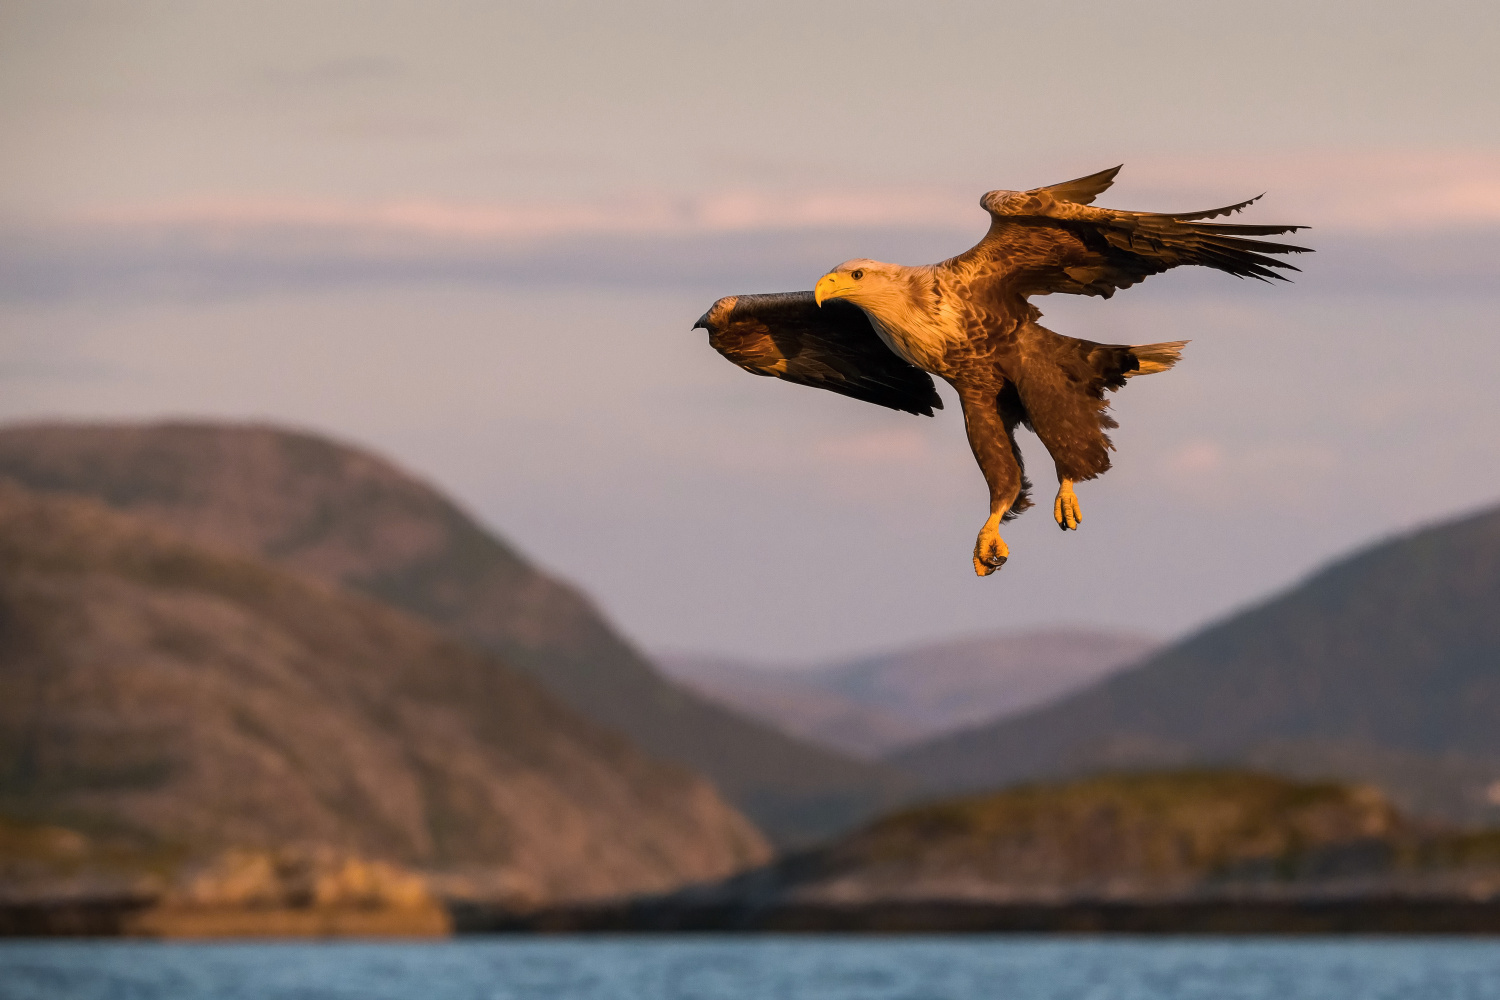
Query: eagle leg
pixel 1065 508
pixel 990 417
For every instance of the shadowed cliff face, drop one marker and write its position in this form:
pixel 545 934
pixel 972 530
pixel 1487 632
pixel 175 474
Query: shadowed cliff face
pixel 184 699
pixel 348 517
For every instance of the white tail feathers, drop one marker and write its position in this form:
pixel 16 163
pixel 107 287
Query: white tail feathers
pixel 1155 358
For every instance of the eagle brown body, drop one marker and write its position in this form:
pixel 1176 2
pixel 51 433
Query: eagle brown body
pixel 874 331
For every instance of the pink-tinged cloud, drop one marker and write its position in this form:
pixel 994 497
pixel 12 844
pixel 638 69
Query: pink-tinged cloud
pixel 1361 191
pixel 1208 471
pixel 879 447
pixel 735 211
pixel 1195 458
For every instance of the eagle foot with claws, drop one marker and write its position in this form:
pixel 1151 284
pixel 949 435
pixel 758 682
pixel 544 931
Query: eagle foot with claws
pixel 990 551
pixel 1065 509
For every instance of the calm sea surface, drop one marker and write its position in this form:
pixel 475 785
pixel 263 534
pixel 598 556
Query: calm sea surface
pixel 762 968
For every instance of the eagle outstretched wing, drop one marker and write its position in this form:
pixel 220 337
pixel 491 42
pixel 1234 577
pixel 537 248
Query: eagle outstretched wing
pixel 833 347
pixel 1050 239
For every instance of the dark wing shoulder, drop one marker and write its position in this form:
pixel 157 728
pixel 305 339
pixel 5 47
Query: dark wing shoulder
pixel 831 347
pixel 1050 239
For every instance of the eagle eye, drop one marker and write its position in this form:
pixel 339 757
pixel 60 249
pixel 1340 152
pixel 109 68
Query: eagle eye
pixel 856 275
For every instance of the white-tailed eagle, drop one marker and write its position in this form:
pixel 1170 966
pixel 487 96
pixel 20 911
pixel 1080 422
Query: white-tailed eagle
pixel 874 331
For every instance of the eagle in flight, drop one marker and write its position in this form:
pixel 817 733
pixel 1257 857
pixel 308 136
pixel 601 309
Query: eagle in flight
pixel 875 331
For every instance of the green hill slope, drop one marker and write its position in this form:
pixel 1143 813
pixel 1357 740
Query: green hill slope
pixel 1141 838
pixel 350 517
pixel 1384 667
pixel 1123 836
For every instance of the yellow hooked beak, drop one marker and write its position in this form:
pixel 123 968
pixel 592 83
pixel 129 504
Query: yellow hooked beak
pixel 832 285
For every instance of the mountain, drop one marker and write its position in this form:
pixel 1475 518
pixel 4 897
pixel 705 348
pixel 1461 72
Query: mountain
pixel 1383 667
pixel 348 517
pixel 870 706
pixel 793 702
pixel 180 700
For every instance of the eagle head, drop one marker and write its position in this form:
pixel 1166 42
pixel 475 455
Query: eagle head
pixel 863 282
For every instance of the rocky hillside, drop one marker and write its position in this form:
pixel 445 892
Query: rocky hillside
pixel 872 705
pixel 348 517
pixel 164 700
pixel 1384 667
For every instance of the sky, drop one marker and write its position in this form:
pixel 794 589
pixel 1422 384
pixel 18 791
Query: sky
pixel 473 237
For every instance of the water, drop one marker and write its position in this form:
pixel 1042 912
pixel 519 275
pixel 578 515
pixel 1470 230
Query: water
pixel 760 968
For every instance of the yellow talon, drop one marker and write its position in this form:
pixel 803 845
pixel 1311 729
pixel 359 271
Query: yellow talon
pixel 990 551
pixel 1065 509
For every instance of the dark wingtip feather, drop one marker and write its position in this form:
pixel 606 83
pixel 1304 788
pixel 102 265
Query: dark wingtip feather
pixel 1239 229
pixel 1213 213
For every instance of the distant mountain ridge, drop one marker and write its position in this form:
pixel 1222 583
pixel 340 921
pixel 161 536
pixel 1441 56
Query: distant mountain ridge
pixel 345 515
pixel 1384 667
pixel 169 701
pixel 870 706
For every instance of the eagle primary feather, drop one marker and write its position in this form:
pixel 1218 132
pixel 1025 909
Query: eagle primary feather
pixel 969 321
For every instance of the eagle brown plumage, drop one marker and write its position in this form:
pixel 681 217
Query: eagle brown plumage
pixel 878 331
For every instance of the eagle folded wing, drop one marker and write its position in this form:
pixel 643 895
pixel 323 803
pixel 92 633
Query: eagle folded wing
pixel 1049 239
pixel 833 347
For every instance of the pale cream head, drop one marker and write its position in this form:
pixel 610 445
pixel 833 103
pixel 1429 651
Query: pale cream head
pixel 863 282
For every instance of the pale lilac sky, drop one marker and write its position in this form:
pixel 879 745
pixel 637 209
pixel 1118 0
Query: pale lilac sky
pixel 474 236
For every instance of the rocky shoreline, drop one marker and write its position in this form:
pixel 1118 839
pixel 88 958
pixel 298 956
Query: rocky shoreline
pixel 141 917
